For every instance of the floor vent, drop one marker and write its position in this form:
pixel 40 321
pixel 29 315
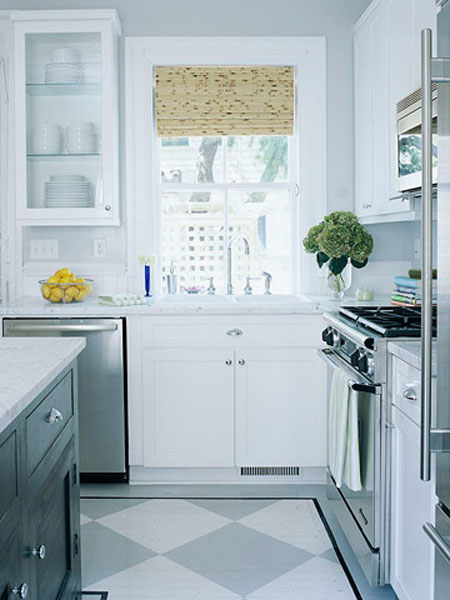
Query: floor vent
pixel 263 471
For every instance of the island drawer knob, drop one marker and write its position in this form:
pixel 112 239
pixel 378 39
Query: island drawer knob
pixel 54 416
pixel 39 552
pixel 235 332
pixel 21 591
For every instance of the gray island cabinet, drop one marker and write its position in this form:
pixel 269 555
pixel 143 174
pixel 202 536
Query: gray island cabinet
pixel 39 481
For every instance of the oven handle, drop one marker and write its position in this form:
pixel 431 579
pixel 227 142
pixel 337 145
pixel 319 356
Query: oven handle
pixel 438 540
pixel 357 386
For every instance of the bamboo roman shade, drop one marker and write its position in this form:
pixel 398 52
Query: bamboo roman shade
pixel 211 101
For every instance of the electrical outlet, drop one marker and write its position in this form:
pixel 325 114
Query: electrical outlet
pixel 44 249
pixel 100 248
pixel 417 249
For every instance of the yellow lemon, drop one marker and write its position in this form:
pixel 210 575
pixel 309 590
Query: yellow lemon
pixel 46 290
pixel 80 296
pixel 67 298
pixel 72 278
pixel 64 272
pixel 79 280
pixel 88 289
pixel 53 279
pixel 72 291
pixel 57 292
pixel 54 298
pixel 64 280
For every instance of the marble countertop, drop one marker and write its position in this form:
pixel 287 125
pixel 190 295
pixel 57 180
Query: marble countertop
pixel 409 351
pixel 35 306
pixel 27 366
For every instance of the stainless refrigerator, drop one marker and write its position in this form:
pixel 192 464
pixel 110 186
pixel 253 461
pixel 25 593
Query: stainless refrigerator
pixel 435 432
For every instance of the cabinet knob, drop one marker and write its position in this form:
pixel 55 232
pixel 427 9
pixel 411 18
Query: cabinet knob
pixel 410 394
pixel 39 552
pixel 107 207
pixel 228 362
pixel 241 361
pixel 235 332
pixel 21 591
pixel 54 416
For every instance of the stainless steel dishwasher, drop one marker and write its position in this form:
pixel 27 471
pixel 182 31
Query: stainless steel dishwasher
pixel 101 389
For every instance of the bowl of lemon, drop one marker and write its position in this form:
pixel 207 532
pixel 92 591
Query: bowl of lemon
pixel 65 287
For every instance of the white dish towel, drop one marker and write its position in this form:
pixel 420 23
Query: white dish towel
pixel 343 450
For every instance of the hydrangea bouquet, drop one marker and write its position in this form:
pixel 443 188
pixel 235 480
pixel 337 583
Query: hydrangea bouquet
pixel 337 240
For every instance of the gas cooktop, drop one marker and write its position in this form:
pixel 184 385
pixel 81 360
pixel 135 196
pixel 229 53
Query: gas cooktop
pixel 388 321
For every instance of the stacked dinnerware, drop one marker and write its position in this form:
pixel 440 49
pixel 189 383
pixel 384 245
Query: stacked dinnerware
pixel 68 191
pixel 46 139
pixel 81 138
pixel 65 66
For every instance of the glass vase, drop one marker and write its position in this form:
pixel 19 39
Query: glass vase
pixel 147 280
pixel 338 284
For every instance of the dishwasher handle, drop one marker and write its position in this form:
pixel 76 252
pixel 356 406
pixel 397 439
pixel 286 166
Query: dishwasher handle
pixel 60 328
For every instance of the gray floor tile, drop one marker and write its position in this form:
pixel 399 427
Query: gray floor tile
pixel 330 555
pixel 105 552
pixel 233 509
pixel 238 558
pixel 97 508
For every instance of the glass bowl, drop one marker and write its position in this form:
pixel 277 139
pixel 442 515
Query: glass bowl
pixel 66 292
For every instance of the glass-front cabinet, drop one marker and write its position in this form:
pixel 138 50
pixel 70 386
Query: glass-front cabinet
pixel 66 117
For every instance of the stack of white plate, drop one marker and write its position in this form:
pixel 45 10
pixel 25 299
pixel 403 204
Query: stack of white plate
pixel 65 66
pixel 81 138
pixel 68 191
pixel 46 138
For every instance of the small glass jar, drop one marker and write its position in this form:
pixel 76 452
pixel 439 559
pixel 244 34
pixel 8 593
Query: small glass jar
pixel 364 294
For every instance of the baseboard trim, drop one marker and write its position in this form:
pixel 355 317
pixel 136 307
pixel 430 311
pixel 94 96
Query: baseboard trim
pixel 148 475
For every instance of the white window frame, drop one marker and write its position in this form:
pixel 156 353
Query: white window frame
pixel 306 54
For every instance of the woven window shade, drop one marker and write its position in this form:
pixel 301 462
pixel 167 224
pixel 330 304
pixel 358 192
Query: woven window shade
pixel 209 101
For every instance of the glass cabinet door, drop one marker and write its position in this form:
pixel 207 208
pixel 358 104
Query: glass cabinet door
pixel 66 124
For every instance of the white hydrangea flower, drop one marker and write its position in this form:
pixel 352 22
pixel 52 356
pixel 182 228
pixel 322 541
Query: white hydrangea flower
pixel 147 258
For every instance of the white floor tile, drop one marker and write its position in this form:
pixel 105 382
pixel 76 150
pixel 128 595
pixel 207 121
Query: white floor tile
pixel 318 579
pixel 297 523
pixel 160 578
pixel 162 525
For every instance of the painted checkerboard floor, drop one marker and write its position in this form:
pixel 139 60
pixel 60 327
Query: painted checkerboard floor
pixel 209 549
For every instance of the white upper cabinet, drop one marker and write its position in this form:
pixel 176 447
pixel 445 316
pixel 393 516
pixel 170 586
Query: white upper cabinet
pixel 66 117
pixel 386 70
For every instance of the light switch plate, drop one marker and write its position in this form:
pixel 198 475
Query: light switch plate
pixel 100 248
pixel 44 249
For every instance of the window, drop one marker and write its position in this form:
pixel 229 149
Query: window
pixel 158 203
pixel 228 187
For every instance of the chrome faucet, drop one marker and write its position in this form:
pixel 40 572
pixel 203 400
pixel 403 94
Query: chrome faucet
pixel 268 281
pixel 229 260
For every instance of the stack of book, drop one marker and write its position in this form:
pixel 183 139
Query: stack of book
pixel 408 290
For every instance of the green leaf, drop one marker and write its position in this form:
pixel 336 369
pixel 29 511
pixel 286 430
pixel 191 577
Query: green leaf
pixel 321 258
pixel 359 265
pixel 337 265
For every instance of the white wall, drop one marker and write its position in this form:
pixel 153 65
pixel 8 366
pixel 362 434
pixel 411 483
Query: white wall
pixel 332 18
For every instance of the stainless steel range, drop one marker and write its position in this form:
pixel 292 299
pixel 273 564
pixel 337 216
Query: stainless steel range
pixel 356 339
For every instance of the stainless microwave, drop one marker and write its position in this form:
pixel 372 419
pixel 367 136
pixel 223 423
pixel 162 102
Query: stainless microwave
pixel 409 141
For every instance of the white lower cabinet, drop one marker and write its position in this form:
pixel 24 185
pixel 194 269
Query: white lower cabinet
pixel 412 506
pixel 189 407
pixel 279 412
pixel 221 392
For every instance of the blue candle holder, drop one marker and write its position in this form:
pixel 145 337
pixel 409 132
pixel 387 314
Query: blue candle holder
pixel 147 281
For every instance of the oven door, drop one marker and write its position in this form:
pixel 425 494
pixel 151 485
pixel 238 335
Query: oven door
pixel 364 505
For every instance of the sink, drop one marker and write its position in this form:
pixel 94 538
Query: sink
pixel 272 299
pixel 193 299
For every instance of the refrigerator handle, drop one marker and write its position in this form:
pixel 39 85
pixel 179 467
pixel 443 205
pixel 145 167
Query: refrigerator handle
pixel 427 256
pixel 438 540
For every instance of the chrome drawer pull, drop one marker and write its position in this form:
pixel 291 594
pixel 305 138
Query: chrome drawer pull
pixel 410 394
pixel 39 552
pixel 437 539
pixel 235 332
pixel 54 416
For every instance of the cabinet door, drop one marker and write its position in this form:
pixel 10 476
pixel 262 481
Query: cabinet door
pixel 280 408
pixel 412 506
pixel 188 407
pixel 10 528
pixel 363 123
pixel 53 522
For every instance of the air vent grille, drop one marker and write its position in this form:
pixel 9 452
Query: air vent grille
pixel 269 471
pixel 410 100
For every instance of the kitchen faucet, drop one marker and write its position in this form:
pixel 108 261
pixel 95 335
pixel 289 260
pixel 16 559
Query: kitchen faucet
pixel 229 260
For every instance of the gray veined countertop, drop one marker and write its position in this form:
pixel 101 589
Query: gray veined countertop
pixel 409 351
pixel 36 306
pixel 27 366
